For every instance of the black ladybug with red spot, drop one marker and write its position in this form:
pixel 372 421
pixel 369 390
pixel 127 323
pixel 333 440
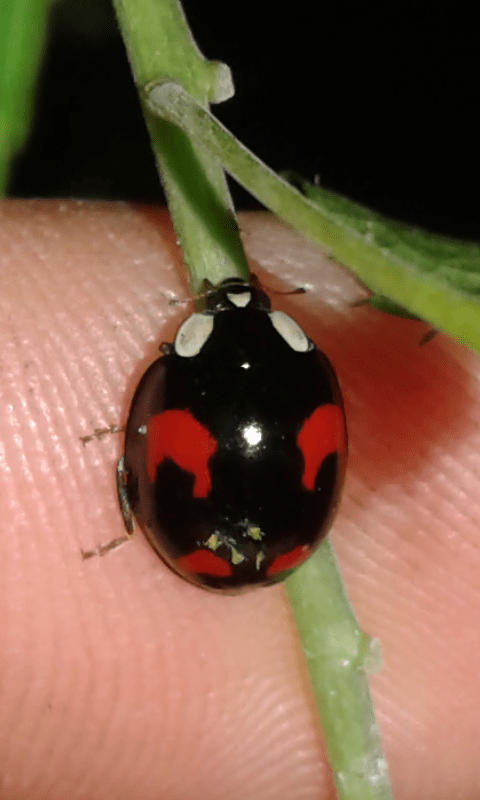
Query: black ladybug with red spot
pixel 235 445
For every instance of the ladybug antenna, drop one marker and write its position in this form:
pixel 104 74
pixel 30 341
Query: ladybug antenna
pixel 254 280
pixel 298 290
pixel 177 301
pixel 207 288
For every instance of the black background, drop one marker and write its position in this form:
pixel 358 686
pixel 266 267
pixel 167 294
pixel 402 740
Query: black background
pixel 380 102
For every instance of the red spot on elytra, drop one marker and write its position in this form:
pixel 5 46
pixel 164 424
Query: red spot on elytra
pixel 289 560
pixel 322 433
pixel 204 562
pixel 177 435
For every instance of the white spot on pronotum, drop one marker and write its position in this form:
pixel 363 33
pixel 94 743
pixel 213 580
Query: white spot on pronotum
pixel 193 334
pixel 252 434
pixel 290 331
pixel 240 300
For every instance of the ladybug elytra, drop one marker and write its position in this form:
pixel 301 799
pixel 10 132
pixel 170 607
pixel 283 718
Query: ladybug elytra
pixel 235 445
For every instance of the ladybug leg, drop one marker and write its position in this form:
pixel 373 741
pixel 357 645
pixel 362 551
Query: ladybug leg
pixel 103 549
pixel 428 336
pixel 123 498
pixel 99 433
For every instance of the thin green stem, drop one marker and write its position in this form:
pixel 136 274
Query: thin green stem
pixel 410 267
pixel 339 656
pixel 158 44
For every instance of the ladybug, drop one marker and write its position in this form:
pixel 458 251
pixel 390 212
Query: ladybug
pixel 235 445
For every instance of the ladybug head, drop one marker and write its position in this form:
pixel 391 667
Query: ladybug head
pixel 234 293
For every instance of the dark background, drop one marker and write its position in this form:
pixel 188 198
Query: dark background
pixel 380 101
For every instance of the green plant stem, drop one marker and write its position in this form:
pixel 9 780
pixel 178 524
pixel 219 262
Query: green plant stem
pixel 339 656
pixel 159 44
pixel 351 234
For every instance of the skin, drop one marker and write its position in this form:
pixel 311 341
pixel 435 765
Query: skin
pixel 118 679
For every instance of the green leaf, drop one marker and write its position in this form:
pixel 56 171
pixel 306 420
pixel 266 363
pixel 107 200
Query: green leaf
pixel 22 38
pixel 434 278
pixel 452 262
